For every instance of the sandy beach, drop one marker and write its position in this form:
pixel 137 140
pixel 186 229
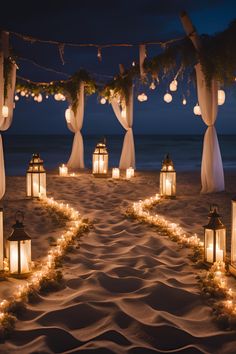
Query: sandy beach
pixel 127 288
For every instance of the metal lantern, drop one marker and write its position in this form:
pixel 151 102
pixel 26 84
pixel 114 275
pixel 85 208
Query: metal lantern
pixel 19 248
pixel 168 178
pixel 100 160
pixel 36 178
pixel 214 238
pixel 232 267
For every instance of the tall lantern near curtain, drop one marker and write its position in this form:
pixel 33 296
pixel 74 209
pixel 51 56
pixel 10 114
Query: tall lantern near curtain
pixel 19 248
pixel 168 178
pixel 232 266
pixel 100 160
pixel 214 238
pixel 36 178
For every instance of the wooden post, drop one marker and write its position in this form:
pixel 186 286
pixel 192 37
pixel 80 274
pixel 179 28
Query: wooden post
pixel 190 30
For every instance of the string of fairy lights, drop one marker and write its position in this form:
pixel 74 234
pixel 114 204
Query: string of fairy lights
pixel 47 269
pixel 214 281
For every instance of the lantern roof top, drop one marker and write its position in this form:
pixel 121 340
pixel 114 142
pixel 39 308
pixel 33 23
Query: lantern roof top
pixel 18 233
pixel 167 162
pixel 214 222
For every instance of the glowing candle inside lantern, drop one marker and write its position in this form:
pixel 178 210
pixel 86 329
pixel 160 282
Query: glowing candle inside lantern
pixel 128 173
pixel 115 173
pixel 168 187
pixel 63 170
pixel 209 254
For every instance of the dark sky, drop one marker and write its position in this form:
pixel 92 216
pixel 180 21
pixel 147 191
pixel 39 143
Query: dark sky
pixel 104 22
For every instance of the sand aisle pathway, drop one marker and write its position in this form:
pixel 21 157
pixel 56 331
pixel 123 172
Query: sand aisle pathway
pixel 128 289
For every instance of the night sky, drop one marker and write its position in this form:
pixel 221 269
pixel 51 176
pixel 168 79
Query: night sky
pixel 110 22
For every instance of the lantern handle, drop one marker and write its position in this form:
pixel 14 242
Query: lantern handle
pixel 19 216
pixel 214 207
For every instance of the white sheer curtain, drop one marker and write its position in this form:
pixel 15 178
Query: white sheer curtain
pixel 5 122
pixel 212 174
pixel 75 124
pixel 124 114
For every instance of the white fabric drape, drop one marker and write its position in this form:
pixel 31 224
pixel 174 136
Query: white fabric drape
pixel 5 122
pixel 212 174
pixel 125 116
pixel 75 124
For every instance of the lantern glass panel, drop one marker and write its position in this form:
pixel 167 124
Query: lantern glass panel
pixel 168 183
pixel 233 234
pixel 36 178
pixel 215 242
pixel 13 256
pixel 20 256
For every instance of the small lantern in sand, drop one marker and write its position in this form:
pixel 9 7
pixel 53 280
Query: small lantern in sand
pixel 129 173
pixel 168 179
pixel 63 170
pixel 214 238
pixel 115 173
pixel 36 178
pixel 19 248
pixel 100 160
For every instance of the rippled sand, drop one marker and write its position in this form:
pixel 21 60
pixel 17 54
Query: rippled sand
pixel 128 289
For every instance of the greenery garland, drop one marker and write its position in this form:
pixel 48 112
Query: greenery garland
pixel 69 88
pixel 217 57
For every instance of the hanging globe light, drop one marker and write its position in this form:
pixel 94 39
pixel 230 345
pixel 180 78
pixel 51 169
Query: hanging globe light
pixel 152 86
pixel 68 115
pixel 184 101
pixel 17 98
pixel 103 100
pixel 197 110
pixel 168 97
pixel 142 97
pixel 5 111
pixel 22 93
pixel 221 97
pixel 173 85
pixel 57 97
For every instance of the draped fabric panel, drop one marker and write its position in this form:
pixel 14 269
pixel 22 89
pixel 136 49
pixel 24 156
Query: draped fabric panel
pixel 75 124
pixel 125 116
pixel 5 122
pixel 212 174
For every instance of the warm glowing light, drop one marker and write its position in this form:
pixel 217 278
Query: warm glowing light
pixel 22 93
pixel 197 110
pixel 129 173
pixel 115 173
pixel 17 98
pixel 103 100
pixel 63 170
pixel 221 97
pixel 5 111
pixel 100 160
pixel 152 86
pixel 184 101
pixel 214 238
pixel 173 85
pixel 167 97
pixel 36 177
pixel 142 97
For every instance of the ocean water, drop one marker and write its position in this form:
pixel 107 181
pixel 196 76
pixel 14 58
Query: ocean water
pixel 185 150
